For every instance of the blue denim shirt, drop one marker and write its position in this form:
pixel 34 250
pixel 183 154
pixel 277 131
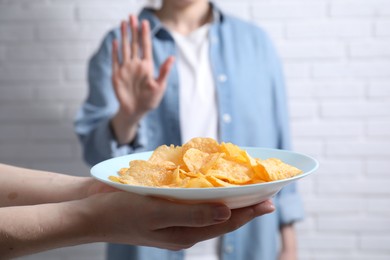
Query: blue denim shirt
pixel 252 112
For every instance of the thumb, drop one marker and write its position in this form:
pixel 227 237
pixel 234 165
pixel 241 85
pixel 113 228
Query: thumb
pixel 165 69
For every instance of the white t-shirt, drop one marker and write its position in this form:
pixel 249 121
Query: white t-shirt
pixel 197 106
pixel 197 94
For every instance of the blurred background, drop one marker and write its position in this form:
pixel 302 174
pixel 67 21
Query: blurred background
pixel 336 56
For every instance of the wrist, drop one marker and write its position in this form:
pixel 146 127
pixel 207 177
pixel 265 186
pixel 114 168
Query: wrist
pixel 80 221
pixel 124 127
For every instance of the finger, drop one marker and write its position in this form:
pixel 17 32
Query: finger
pixel 146 41
pixel 115 59
pixel 134 36
pixel 263 208
pixel 115 64
pixel 186 215
pixel 125 41
pixel 164 70
pixel 179 235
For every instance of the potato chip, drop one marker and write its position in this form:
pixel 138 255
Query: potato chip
pixel 232 172
pixel 147 174
pixel 203 163
pixel 194 159
pixel 200 182
pixel 165 153
pixel 278 170
pixel 233 152
pixel 207 145
pixel 218 182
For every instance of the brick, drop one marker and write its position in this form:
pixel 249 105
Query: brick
pixel 347 255
pixel 96 252
pixel 336 89
pixel 359 69
pixel 379 89
pixel 286 10
pixel 76 72
pixel 310 147
pixel 28 73
pixel 74 32
pixel 2 54
pixel 354 9
pixel 294 70
pixel 19 94
pixel 384 10
pixel 306 186
pixel 367 149
pixel 327 129
pixel 379 128
pixel 377 242
pixel 306 109
pixel 328 206
pixel 340 169
pixel 355 188
pixel 353 223
pixel 12 132
pixel 72 166
pixel 19 13
pixel 352 109
pixel 372 49
pixel 46 52
pixel 36 151
pixel 51 132
pixel 28 113
pixel 299 89
pixel 376 167
pixel 69 92
pixel 329 29
pixel 378 205
pixel 274 28
pixel 382 28
pixel 311 50
pixel 328 242
pixel 107 12
pixel 16 33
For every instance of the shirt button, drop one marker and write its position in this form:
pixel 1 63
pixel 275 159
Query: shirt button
pixel 229 249
pixel 222 77
pixel 226 118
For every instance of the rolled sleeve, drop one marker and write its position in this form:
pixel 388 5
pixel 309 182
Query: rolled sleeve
pixel 289 205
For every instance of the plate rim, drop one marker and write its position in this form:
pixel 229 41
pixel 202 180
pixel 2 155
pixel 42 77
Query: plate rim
pixel 212 189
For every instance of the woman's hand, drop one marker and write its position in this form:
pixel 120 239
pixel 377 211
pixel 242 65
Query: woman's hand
pixel 138 220
pixel 133 79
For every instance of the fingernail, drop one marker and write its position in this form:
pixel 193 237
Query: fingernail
pixel 269 206
pixel 221 213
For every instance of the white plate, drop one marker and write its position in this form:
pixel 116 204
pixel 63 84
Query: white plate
pixel 233 197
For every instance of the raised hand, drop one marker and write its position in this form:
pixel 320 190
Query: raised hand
pixel 135 86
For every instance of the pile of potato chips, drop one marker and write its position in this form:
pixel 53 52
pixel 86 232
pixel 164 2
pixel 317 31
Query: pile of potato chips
pixel 203 163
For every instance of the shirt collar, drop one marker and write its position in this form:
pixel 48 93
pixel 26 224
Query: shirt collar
pixel 156 27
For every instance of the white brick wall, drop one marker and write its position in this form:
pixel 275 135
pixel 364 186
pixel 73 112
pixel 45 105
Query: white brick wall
pixel 336 56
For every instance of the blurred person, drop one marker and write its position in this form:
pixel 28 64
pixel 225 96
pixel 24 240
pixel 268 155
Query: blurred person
pixel 189 70
pixel 42 210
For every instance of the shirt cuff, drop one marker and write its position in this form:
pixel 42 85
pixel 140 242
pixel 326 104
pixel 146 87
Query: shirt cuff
pixel 290 208
pixel 120 150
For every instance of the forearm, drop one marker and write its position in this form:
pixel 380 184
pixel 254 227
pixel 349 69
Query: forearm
pixel 289 243
pixel 20 186
pixel 31 229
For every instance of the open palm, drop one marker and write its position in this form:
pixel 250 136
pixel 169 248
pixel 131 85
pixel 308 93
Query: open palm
pixel 135 86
